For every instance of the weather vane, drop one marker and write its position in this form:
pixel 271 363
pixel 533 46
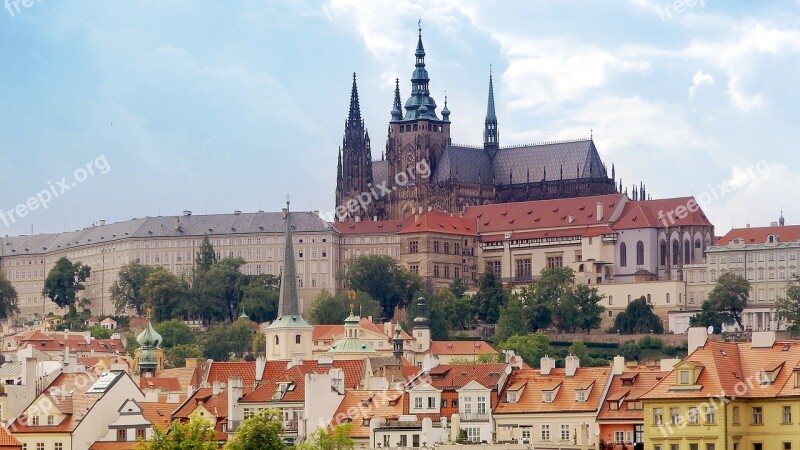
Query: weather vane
pixel 419 25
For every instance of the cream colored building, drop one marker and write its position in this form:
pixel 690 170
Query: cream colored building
pixel 664 296
pixel 171 242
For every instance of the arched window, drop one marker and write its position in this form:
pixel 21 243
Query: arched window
pixel 623 255
pixel 698 244
pixel 687 252
pixel 676 252
pixel 640 253
pixel 277 341
pixel 663 249
pixel 297 339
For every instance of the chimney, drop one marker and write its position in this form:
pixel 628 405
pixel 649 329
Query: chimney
pixel 618 366
pixel 235 392
pixel 668 363
pixel 216 388
pixel 546 365
pixel 261 364
pixel 237 212
pixel 102 222
pixel 186 212
pixel 285 212
pixel 763 339
pixel 599 211
pixel 337 380
pixel 150 396
pixel 173 398
pixel 572 364
pixel 296 361
pixel 191 363
pixel 697 338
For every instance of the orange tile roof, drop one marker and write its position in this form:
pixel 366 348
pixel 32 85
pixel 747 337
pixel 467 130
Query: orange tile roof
pixel 758 235
pixel 164 384
pixel 629 386
pixel 531 400
pixel 542 214
pixel 461 348
pixel 7 440
pixel 333 332
pixel 368 226
pixel 656 213
pixel 113 445
pixel 222 371
pixel 449 378
pixel 160 413
pixel 441 222
pixel 353 374
pixel 359 405
pixel 183 374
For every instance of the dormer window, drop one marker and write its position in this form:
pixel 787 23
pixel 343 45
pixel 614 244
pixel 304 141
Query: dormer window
pixel 768 376
pixel 547 396
pixel 580 396
pixel 511 397
pixel 772 239
pixel 685 377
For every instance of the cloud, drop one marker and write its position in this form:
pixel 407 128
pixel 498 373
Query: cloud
pixel 699 79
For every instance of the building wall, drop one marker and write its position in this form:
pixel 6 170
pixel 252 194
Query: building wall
pixel 511 426
pixel 439 256
pixel 667 434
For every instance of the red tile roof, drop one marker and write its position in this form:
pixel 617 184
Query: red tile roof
pixel 353 374
pixel 222 371
pixel 758 235
pixel 160 413
pixel 461 348
pixel 7 440
pixel 368 227
pixel 164 384
pixel 630 386
pixel 440 222
pixel 543 214
pixel 113 445
pixel 359 405
pixel 531 399
pixel 661 213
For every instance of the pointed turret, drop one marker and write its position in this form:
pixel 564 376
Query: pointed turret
pixel 491 138
pixel 420 105
pixel 354 118
pixel 339 166
pixel 397 342
pixel 781 219
pixel 397 107
pixel 445 111
pixel 355 169
pixel 288 302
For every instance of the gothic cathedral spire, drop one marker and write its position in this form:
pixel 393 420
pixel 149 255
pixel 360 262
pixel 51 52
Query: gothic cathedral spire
pixel 491 138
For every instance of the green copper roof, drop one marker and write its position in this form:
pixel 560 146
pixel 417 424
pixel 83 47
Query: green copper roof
pixel 420 105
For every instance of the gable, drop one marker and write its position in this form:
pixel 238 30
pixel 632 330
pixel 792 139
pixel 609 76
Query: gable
pixel 130 407
pixel 473 386
pixel 424 387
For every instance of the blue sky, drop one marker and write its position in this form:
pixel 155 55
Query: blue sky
pixel 220 106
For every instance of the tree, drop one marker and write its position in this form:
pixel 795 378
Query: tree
pixel 491 296
pixel 383 279
pixel 630 350
pixel 708 317
pixel 222 289
pixel 165 294
pixel 337 438
pixel 531 347
pixel 553 289
pixel 175 332
pixel 226 340
pixel 729 297
pixel 536 309
pixel 176 356
pixel 260 298
pixel 587 301
pixel 788 308
pixel 197 434
pixel 458 288
pixel 329 309
pixel 64 281
pixel 638 317
pixel 99 332
pixel 9 300
pixel 261 431
pixel 126 291
pixel 512 320
pixel 205 257
pixel 259 344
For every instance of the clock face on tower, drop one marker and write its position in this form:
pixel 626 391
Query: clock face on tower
pixel 409 157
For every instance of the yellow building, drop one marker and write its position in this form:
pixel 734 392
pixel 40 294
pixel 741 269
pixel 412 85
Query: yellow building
pixel 728 396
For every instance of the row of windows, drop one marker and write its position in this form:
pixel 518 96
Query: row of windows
pixel 761 257
pixel 444 247
pixel 40 446
pixel 544 432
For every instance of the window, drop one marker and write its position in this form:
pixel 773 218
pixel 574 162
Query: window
pixel 564 432
pixel 710 415
pixel 418 402
pixel 34 420
pixel 554 262
pixel 640 253
pixel 674 415
pixel 674 446
pixel 40 446
pixel 663 250
pixel 444 403
pixel 787 414
pixel 524 268
pixel 481 405
pixel 758 417
pixel 676 252
pixel 431 402
pixel 694 446
pixel 413 247
pixel 684 377
pixel 248 413
pixel 494 266
pixel 619 437
pixel 547 396
pixel 735 415
pixel 709 446
pixel 623 255
pixel 60 445
pixel 413 268
pixel 435 246
pixel 436 271
pixel 473 434
pixel 787 446
pixel 447 247
pixel 657 447
pixel 511 397
pixel 580 396
pixel 693 415
pixel 447 272
pixel 415 440
pixel 51 420
pixel 467 404
pixel 526 433
pixel 658 416
pixel 545 432
pixel 122 435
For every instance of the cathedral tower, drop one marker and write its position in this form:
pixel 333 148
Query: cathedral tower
pixel 491 136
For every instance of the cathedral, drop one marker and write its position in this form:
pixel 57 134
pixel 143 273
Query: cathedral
pixel 421 169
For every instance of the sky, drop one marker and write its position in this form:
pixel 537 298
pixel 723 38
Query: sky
pixel 115 110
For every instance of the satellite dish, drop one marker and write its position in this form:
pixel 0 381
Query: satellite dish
pixel 710 330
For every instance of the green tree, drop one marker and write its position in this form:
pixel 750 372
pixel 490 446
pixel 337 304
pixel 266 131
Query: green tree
pixel 384 280
pixel 176 356
pixel 638 317
pixel 64 281
pixel 512 320
pixel 260 298
pixel 205 257
pixel 788 308
pixel 9 300
pixel 589 310
pixel 729 297
pixel 222 289
pixel 166 294
pixel 630 350
pixel 126 291
pixel 229 340
pixel 259 344
pixel 531 347
pixel 553 289
pixel 580 350
pixel 175 332
pixel 262 431
pixel 99 332
pixel 536 309
pixel 329 309
pixel 458 288
pixel 709 317
pixel 491 296
pixel 197 434
pixel 337 438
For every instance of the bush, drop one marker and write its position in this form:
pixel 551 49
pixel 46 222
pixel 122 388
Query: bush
pixel 650 342
pixel 630 350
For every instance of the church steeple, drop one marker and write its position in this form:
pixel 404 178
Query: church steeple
pixel 288 303
pixel 354 174
pixel 420 105
pixel 397 113
pixel 354 118
pixel 491 138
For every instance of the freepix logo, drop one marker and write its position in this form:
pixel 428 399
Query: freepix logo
pixel 54 190
pixel 14 7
